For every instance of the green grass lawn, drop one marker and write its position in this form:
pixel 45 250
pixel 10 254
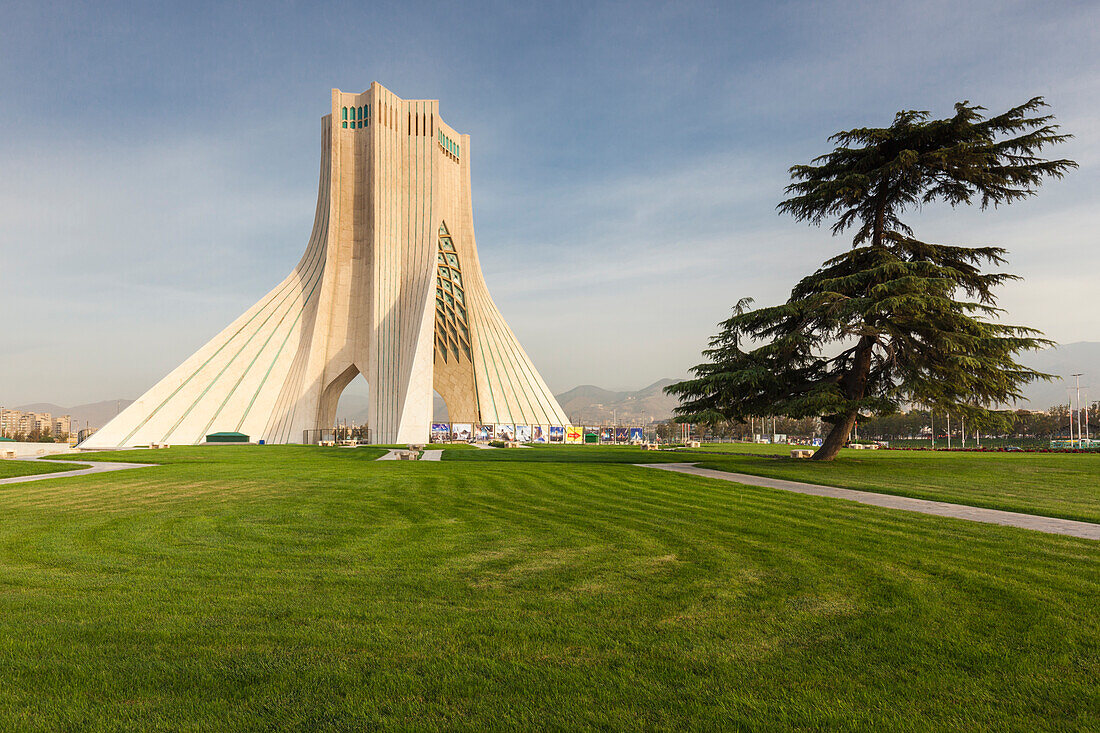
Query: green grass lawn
pixel 11 469
pixel 569 454
pixel 1052 484
pixel 296 588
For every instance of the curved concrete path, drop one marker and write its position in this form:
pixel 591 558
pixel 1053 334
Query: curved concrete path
pixel 1050 525
pixel 92 467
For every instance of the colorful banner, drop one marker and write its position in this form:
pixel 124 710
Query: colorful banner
pixel 441 432
pixel 636 435
pixel 506 432
pixel 622 435
pixel 592 436
pixel 485 433
pixel 557 434
pixel 462 431
pixel 539 434
pixel 523 433
pixel 607 435
pixel 573 435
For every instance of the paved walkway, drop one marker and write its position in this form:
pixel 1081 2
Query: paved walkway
pixel 924 506
pixel 92 468
pixel 428 455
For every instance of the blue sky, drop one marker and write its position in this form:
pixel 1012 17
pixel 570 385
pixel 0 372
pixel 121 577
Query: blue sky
pixel 160 163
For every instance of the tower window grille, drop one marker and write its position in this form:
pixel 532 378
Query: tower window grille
pixel 452 328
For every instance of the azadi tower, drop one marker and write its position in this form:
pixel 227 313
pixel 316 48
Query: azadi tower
pixel 389 287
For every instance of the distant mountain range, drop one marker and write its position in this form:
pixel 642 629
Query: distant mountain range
pixel 588 404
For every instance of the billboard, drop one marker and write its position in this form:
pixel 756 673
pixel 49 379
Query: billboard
pixel 607 435
pixel 573 435
pixel 463 431
pixel 506 432
pixel 523 433
pixel 539 434
pixel 484 433
pixel 557 434
pixel 622 435
pixel 636 435
pixel 441 432
pixel 592 435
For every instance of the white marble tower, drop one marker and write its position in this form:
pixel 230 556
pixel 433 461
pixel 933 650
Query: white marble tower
pixel 389 287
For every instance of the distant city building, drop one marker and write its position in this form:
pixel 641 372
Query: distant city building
pixel 13 422
pixel 43 422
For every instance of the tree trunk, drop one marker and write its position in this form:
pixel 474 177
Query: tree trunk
pixel 855 385
pixel 879 226
pixel 836 438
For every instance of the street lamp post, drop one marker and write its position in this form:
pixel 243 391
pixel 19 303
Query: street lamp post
pixel 1077 378
pixel 1087 438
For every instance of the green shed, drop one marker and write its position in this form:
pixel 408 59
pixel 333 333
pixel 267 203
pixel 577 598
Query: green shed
pixel 227 438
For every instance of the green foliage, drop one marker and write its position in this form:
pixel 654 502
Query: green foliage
pixel 876 174
pixel 1019 427
pixel 893 320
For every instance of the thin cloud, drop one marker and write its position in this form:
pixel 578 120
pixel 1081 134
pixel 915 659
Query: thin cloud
pixel 625 172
